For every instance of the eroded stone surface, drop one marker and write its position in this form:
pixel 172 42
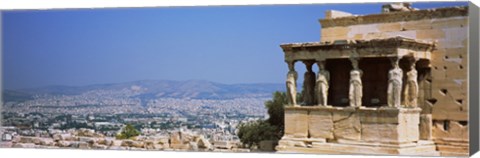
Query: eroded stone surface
pixel 387 125
pixel 450 130
pixel 346 125
pixel 296 123
pixel 320 124
pixel 426 127
pixel 332 14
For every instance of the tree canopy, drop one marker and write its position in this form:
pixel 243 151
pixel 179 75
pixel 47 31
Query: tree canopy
pixel 252 133
pixel 275 110
pixel 128 132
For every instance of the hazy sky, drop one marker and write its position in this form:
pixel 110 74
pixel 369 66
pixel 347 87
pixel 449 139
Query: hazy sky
pixel 234 44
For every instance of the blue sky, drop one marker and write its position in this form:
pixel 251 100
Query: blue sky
pixel 227 44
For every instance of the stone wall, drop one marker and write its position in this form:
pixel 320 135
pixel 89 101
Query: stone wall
pixel 445 89
pixel 332 124
pixel 354 130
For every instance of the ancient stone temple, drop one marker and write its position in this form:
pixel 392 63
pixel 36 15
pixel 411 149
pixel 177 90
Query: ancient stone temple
pixel 388 83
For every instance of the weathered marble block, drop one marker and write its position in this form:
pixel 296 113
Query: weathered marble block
pixel 390 125
pixel 296 122
pixel 389 115
pixel 426 126
pixel 320 124
pixel 346 125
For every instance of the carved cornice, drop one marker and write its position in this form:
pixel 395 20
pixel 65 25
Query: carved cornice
pixel 382 109
pixel 396 16
pixel 388 47
pixel 395 42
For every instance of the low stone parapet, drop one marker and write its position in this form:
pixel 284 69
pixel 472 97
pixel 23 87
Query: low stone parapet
pixel 328 128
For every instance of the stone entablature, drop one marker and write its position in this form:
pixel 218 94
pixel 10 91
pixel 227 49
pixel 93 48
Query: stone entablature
pixel 395 17
pixel 389 47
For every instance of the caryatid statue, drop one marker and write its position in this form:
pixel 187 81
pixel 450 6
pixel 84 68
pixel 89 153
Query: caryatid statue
pixel 411 88
pixel 291 85
pixel 321 85
pixel 355 90
pixel 395 76
pixel 309 85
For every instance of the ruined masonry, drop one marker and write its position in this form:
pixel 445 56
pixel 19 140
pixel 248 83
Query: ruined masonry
pixel 388 83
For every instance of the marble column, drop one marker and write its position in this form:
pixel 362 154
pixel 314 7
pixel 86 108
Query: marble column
pixel 322 84
pixel 355 89
pixel 291 84
pixel 410 93
pixel 309 84
pixel 395 76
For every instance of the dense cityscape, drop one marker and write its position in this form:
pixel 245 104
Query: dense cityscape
pixel 92 120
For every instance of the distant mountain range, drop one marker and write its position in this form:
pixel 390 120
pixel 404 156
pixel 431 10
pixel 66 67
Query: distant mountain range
pixel 148 89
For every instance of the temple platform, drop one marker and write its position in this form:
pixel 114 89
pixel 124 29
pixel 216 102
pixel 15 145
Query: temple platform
pixel 421 148
pixel 354 130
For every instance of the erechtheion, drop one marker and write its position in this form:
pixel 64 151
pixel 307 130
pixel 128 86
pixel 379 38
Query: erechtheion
pixel 387 83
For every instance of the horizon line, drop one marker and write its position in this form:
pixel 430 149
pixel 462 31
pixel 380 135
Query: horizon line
pixel 141 80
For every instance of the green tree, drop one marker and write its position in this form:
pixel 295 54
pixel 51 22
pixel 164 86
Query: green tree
pixel 276 110
pixel 128 132
pixel 251 133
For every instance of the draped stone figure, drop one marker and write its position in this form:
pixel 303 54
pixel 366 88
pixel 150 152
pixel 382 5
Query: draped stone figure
pixel 309 85
pixel 321 85
pixel 292 86
pixel 355 90
pixel 394 91
pixel 411 88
